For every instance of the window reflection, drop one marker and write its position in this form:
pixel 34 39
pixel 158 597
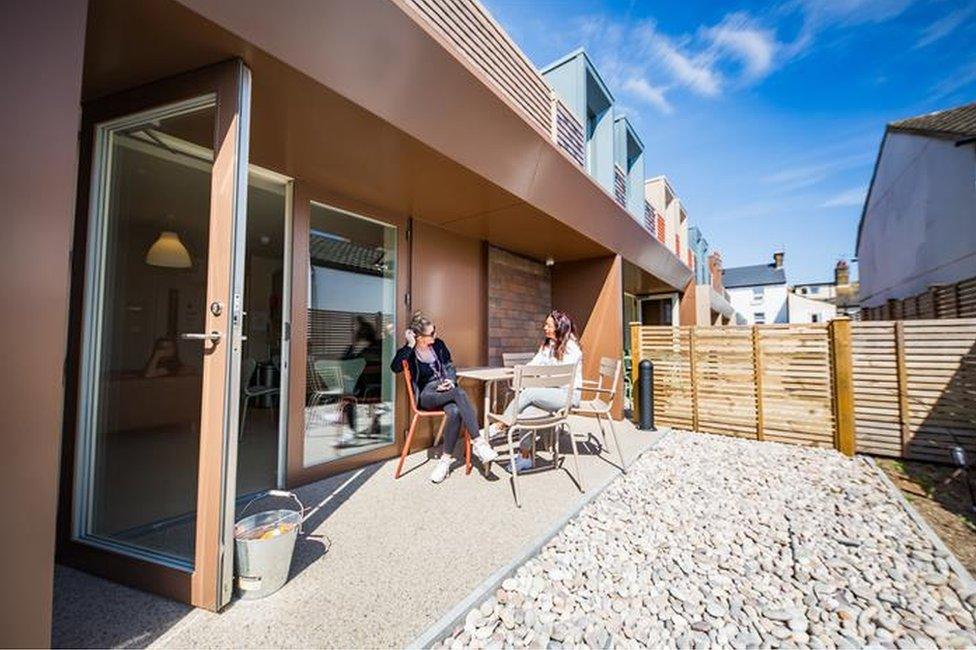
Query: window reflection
pixel 351 325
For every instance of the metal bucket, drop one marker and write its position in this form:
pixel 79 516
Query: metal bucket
pixel 263 547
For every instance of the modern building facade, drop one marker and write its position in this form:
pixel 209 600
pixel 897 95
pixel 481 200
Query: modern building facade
pixel 922 204
pixel 254 201
pixel 758 293
pixel 705 300
pixel 667 219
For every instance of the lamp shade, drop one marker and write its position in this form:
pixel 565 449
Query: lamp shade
pixel 168 251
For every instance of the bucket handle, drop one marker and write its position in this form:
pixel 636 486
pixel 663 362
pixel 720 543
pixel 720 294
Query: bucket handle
pixel 284 494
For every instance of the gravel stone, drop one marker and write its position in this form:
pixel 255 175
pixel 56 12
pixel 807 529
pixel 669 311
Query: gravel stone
pixel 723 542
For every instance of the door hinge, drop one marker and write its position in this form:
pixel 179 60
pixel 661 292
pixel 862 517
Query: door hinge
pixel 406 299
pixel 287 332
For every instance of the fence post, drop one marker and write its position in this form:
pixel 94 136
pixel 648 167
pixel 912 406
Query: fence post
pixel 903 412
pixel 840 350
pixel 758 373
pixel 635 359
pixel 694 380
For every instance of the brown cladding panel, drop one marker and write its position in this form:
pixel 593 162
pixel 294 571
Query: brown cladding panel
pixel 42 46
pixel 591 292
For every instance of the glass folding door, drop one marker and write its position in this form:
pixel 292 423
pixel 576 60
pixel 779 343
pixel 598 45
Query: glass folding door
pixel 155 449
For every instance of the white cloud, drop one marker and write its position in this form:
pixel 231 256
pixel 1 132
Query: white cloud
pixel 741 39
pixel 944 26
pixel 847 198
pixel 653 95
pixel 696 72
pixel 958 79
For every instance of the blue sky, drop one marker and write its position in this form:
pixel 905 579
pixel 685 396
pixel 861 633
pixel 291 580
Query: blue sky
pixel 765 116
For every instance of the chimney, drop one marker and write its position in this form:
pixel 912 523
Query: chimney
pixel 842 274
pixel 778 260
pixel 715 270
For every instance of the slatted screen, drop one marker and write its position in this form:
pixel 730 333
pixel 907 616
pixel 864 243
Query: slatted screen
pixel 797 392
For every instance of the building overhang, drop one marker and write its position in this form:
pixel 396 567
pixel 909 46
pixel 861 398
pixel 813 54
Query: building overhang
pixel 361 97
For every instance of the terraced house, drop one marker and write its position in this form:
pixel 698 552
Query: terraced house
pixel 218 211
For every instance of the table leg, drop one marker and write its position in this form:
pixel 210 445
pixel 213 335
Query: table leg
pixel 489 387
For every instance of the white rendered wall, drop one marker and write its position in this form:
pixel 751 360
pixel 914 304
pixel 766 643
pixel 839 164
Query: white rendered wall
pixel 802 310
pixel 773 303
pixel 920 223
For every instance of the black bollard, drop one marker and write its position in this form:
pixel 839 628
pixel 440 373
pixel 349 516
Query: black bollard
pixel 645 392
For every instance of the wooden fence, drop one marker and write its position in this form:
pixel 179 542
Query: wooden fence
pixel 945 301
pixel 905 389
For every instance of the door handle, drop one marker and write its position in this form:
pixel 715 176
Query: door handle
pixel 201 336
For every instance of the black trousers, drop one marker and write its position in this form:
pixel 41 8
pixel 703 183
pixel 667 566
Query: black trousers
pixel 457 408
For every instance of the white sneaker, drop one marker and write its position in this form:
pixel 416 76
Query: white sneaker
pixel 483 451
pixel 441 469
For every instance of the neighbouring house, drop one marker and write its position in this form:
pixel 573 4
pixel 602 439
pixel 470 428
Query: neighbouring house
pixel 241 204
pixel 807 310
pixel 841 292
pixel 916 241
pixel 758 293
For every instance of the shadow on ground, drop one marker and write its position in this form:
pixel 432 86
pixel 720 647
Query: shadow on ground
pixel 90 612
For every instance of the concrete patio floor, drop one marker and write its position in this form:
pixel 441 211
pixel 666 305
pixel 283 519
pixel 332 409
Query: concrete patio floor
pixel 380 562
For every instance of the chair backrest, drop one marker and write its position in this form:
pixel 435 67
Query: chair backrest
pixel 512 359
pixel 609 376
pixel 329 374
pixel 556 376
pixel 408 379
pixel 248 366
pixel 351 369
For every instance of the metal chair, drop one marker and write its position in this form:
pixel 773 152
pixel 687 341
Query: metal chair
pixel 416 414
pixel 248 367
pixel 558 376
pixel 606 385
pixel 325 380
pixel 510 360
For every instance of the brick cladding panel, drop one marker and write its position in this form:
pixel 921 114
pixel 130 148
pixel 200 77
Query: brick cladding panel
pixel 519 298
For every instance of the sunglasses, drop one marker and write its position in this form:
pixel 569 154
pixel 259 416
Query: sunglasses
pixel 433 334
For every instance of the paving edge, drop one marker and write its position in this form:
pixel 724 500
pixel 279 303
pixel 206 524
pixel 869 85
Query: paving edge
pixel 964 576
pixel 456 614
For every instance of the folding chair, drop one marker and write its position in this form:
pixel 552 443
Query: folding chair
pixel 419 413
pixel 561 377
pixel 606 384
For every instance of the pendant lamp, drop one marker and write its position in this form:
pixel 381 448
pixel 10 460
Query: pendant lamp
pixel 168 251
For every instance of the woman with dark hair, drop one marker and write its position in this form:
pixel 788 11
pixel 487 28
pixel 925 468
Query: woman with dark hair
pixel 560 347
pixel 435 385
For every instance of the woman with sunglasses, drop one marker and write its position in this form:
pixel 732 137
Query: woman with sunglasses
pixel 435 385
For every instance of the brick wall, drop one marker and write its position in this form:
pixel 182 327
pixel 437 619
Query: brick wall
pixel 519 298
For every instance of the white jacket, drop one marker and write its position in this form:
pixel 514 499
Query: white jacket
pixel 573 354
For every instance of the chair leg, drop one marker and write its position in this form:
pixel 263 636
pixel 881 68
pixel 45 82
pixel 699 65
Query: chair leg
pixel 515 484
pixel 467 451
pixel 240 431
pixel 579 474
pixel 616 443
pixel 440 432
pixel 603 434
pixel 406 445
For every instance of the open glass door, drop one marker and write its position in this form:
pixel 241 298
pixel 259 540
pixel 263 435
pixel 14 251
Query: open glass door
pixel 160 343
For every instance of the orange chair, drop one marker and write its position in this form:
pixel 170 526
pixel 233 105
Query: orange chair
pixel 416 415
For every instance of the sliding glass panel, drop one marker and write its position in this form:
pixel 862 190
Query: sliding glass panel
pixel 147 282
pixel 351 335
pixel 261 360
